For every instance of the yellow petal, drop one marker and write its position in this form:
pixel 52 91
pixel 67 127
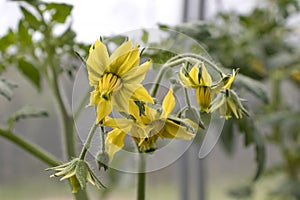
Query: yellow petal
pixel 168 104
pixel 205 77
pixel 134 110
pixel 203 95
pixel 104 108
pixel 140 93
pixel 114 142
pixel 120 123
pixel 120 100
pixel 121 50
pixel 137 74
pixel 97 62
pixel 194 74
pixel 139 132
pixel 124 63
pixel 230 80
pixel 94 97
pixel 75 184
pixel 185 80
pixel 151 115
pixel 173 130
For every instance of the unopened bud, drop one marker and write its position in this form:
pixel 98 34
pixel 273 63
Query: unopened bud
pixel 102 160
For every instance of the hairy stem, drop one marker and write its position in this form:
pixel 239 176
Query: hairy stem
pixel 31 148
pixel 87 143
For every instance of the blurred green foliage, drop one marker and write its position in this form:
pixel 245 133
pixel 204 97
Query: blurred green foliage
pixel 264 46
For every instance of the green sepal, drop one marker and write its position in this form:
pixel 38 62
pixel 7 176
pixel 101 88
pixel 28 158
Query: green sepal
pixel 81 173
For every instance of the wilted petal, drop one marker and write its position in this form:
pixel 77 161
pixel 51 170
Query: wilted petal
pixel 173 130
pixel 114 142
pixel 120 123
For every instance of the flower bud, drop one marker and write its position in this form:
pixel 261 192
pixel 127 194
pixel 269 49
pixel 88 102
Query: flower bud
pixel 102 160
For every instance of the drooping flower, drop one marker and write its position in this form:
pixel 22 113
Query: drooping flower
pixel 116 78
pixel 228 102
pixel 200 80
pixel 225 83
pixel 147 126
pixel 78 172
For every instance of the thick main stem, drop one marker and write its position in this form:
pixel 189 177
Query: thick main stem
pixel 141 177
pixel 66 118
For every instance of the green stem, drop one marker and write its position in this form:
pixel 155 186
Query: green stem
pixel 199 58
pixel 176 60
pixel 67 121
pixel 141 178
pixel 31 148
pixel 66 118
pixel 102 132
pixel 81 104
pixel 87 143
pixel 187 99
pixel 162 72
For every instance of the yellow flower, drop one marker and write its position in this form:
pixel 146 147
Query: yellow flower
pixel 200 79
pixel 78 172
pixel 228 102
pixel 225 82
pixel 147 126
pixel 116 78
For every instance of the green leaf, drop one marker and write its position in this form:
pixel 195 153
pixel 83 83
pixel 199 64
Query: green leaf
pixel 7 40
pixel 61 11
pixel 279 117
pixel 24 113
pixel 6 89
pixel 67 37
pixel 32 21
pixel 260 155
pixel 227 137
pixel 253 86
pixel 253 136
pixel 145 36
pixel 24 36
pixel 29 71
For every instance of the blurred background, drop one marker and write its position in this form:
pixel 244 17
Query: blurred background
pixel 262 38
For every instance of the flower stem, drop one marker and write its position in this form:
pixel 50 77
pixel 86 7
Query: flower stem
pixel 102 139
pixel 176 60
pixel 199 58
pixel 33 149
pixel 162 72
pixel 187 99
pixel 87 143
pixel 141 177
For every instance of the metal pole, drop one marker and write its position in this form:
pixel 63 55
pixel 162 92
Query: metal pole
pixel 201 11
pixel 185 10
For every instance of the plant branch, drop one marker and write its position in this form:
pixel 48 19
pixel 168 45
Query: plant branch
pixel 87 143
pixel 141 177
pixel 31 148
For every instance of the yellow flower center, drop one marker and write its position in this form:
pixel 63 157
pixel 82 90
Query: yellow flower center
pixel 108 84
